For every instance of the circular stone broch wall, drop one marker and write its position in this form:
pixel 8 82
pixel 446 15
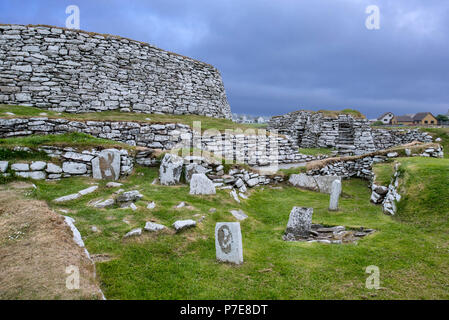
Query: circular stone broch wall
pixel 77 71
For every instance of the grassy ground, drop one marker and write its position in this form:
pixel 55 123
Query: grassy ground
pixel 73 139
pixel 316 151
pixel 413 261
pixel 384 172
pixel 206 122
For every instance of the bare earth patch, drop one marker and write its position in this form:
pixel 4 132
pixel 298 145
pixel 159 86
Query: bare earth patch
pixel 36 247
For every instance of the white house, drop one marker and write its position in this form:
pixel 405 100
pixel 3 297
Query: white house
pixel 386 117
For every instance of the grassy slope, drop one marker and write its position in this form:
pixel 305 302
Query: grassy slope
pixel 316 151
pixel 413 261
pixel 74 139
pixel 206 122
pixel 384 173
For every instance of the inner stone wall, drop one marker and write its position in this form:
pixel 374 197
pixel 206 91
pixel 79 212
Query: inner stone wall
pixel 349 135
pixel 77 71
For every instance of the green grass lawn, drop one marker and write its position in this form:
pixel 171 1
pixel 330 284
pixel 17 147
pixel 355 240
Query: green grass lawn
pixel 384 172
pixel 413 261
pixel 73 139
pixel 316 151
pixel 206 122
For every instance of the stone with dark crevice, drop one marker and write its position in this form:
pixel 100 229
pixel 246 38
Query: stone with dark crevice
pixel 330 234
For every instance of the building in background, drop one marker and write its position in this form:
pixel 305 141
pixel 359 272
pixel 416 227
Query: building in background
pixel 421 118
pixel 386 118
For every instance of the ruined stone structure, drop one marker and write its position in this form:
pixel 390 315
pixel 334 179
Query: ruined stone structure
pixel 77 71
pixel 254 150
pixel 348 134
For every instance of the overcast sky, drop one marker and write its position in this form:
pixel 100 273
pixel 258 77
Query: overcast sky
pixel 279 56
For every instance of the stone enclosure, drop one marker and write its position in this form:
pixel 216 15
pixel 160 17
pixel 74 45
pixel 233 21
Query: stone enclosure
pixel 77 71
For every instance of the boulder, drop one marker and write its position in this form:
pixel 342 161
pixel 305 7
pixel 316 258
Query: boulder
pixel 53 168
pixel 325 183
pixel 104 204
pixel 107 165
pixel 3 166
pixel 170 169
pixel 20 167
pixel 200 184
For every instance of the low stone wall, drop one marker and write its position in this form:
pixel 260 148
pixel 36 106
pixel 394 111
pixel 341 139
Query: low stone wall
pixel 70 162
pixel 253 150
pixel 384 139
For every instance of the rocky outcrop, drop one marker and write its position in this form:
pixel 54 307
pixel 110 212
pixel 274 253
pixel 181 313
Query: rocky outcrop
pixel 77 71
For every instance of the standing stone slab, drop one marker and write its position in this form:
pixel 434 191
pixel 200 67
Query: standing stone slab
pixel 228 242
pixel 200 184
pixel 335 195
pixel 170 169
pixel 107 165
pixel 299 222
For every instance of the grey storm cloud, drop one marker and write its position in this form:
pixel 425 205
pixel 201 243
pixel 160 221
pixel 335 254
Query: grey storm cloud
pixel 281 55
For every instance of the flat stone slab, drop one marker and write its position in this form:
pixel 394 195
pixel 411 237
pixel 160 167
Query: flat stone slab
pixel 201 185
pixel 183 224
pixel 134 233
pixel 104 203
pixel 152 227
pixel 228 242
pixel 239 215
pixel 128 196
pixel 107 165
pixel 77 195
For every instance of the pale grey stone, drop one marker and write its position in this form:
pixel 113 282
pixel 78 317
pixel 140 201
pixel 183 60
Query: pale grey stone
pixel 88 190
pixel 133 195
pixel 38 165
pixel 74 167
pixel 300 221
pixel 170 169
pixel 53 168
pixel 335 195
pixel 392 154
pixel 134 233
pixel 113 184
pixel 104 204
pixel 3 166
pixel 303 181
pixel 239 214
pixel 107 165
pixel 201 185
pixel 20 167
pixel 37 175
pixel 234 195
pixel 152 227
pixel 151 205
pixel 228 242
pixel 183 224
pixel 191 169
pixel 325 183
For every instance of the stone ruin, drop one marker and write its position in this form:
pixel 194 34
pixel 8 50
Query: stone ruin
pixel 301 228
pixel 348 134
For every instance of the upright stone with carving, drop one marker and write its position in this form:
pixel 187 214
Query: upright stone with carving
pixel 107 165
pixel 228 242
pixel 335 195
pixel 299 223
pixel 170 169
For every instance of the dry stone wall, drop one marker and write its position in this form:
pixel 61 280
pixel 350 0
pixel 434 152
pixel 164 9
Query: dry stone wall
pixel 349 135
pixel 76 71
pixel 254 150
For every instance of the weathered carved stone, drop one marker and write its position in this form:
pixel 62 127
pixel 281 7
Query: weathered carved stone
pixel 107 165
pixel 170 169
pixel 200 184
pixel 299 222
pixel 228 242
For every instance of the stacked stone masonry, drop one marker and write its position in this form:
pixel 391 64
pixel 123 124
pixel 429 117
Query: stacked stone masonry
pixel 76 71
pixel 348 134
pixel 253 150
pixel 67 162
